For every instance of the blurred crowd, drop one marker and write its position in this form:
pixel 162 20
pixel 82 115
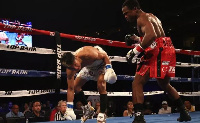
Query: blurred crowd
pixel 37 110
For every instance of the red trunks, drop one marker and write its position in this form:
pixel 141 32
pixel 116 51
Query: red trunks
pixel 160 57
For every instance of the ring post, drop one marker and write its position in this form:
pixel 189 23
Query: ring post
pixel 58 58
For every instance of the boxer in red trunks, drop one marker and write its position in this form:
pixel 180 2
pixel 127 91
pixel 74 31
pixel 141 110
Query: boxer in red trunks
pixel 158 58
pixel 159 66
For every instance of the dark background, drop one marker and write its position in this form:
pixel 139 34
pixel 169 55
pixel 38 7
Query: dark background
pixel 102 19
pixel 180 18
pixel 96 18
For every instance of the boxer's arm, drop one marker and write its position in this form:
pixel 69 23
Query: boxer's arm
pixel 149 32
pixel 110 75
pixel 70 84
pixel 104 57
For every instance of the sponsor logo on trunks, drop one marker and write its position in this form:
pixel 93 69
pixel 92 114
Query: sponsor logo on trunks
pixel 164 69
pixel 171 69
pixel 153 45
pixel 165 63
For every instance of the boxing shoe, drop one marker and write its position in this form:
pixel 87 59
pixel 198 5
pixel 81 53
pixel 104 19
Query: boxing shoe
pixel 101 118
pixel 88 112
pixel 184 116
pixel 139 118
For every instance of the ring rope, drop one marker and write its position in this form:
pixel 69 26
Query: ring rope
pixel 51 51
pixel 22 93
pixel 35 73
pixel 33 31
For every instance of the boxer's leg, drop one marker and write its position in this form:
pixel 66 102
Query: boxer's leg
pixel 101 85
pixel 79 94
pixel 138 96
pixel 173 94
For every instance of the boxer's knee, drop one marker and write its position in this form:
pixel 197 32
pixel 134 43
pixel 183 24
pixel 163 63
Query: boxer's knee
pixel 164 83
pixel 101 86
pixel 140 80
pixel 79 82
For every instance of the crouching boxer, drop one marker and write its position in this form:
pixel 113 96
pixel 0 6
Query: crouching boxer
pixel 91 63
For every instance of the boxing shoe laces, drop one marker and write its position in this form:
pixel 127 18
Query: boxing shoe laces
pixel 88 112
pixel 101 118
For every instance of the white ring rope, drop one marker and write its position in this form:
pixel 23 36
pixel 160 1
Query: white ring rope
pixel 51 51
pixel 22 93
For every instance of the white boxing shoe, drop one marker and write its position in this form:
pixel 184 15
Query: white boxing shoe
pixel 101 118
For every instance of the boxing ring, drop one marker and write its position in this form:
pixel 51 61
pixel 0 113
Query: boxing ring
pixel 157 118
pixel 58 73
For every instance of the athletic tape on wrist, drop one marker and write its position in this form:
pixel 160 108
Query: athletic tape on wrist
pixel 108 66
pixel 70 106
pixel 139 48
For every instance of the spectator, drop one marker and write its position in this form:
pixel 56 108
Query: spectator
pixel 46 109
pixel 79 104
pixel 53 112
pixel 26 108
pixel 93 99
pixel 36 115
pixel 4 108
pixel 188 106
pixel 97 109
pixel 60 115
pixel 30 105
pixel 111 108
pixel 49 104
pixel 147 108
pixel 10 104
pixel 129 111
pixel 165 108
pixel 14 112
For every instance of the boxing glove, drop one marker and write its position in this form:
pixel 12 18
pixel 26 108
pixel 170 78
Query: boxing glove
pixel 131 39
pixel 69 114
pixel 110 76
pixel 133 54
